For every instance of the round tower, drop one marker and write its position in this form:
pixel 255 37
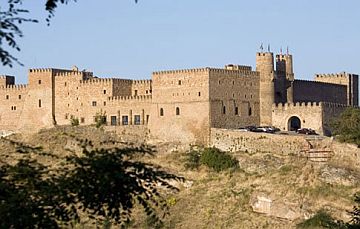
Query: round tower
pixel 265 66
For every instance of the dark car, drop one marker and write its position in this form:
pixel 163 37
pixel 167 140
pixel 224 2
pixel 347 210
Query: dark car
pixel 307 131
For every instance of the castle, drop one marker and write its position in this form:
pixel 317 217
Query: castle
pixel 180 105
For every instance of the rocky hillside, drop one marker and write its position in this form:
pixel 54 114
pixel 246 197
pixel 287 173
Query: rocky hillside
pixel 269 190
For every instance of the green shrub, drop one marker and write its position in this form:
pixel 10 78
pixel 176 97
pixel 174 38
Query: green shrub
pixel 347 126
pixel 193 159
pixel 212 158
pixel 74 121
pixel 321 219
pixel 100 119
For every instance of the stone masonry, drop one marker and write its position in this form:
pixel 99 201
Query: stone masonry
pixel 180 105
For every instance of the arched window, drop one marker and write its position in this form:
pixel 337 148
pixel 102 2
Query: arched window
pixel 161 112
pixel 177 111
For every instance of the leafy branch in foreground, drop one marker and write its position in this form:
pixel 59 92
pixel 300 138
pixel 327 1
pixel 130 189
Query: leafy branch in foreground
pixel 10 31
pixel 105 183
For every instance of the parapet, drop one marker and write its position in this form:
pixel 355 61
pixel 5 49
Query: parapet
pixel 297 104
pixel 307 105
pixel 40 70
pixel 131 98
pixel 14 87
pixel 141 81
pixel 194 70
pixel 238 67
pixel 226 71
pixel 97 81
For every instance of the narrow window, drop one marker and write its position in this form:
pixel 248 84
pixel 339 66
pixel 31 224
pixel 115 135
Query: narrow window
pixel 236 111
pixel 161 112
pixel 39 102
pixel 14 108
pixel 146 91
pixel 224 110
pixel 219 82
pixel 136 92
pixel 250 111
pixel 104 92
pixel 113 121
pixel 19 96
pixel 147 119
pixel 65 84
pixel 137 120
pixel 179 82
pixel 7 96
pixel 66 116
pixel 82 120
pixel 39 81
pixel 199 93
pixel 104 103
pixel 177 111
pixel 125 120
pixel 94 103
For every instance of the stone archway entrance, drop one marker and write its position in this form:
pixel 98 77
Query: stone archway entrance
pixel 294 123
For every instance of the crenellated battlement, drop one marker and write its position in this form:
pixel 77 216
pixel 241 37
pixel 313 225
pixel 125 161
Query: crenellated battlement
pixel 226 71
pixel 68 73
pixel 307 105
pixel 332 75
pixel 131 98
pixel 97 81
pixel 14 87
pixel 141 81
pixel 194 70
pixel 298 104
pixel 40 70
pixel 317 82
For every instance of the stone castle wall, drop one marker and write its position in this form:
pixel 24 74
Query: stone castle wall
pixel 311 91
pixel 234 140
pixel 234 98
pixel 310 115
pixel 180 105
pixel 351 81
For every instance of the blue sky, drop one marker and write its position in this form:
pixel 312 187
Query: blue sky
pixel 118 38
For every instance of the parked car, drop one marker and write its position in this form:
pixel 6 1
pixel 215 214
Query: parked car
pixel 243 129
pixel 307 131
pixel 250 128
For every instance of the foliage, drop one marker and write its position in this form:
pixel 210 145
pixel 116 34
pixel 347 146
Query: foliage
pixel 217 160
pixel 212 158
pixel 193 159
pixel 321 219
pixel 347 126
pixel 100 119
pixel 355 213
pixel 105 183
pixel 10 31
pixel 74 121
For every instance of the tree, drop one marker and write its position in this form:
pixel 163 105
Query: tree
pixel 104 183
pixel 355 213
pixel 347 126
pixel 11 17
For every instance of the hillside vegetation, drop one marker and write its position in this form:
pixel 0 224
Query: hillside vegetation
pixel 261 190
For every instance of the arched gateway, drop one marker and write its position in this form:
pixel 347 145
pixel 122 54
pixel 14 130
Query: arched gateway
pixel 294 123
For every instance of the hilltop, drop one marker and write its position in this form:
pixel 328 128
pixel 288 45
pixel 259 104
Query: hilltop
pixel 269 190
